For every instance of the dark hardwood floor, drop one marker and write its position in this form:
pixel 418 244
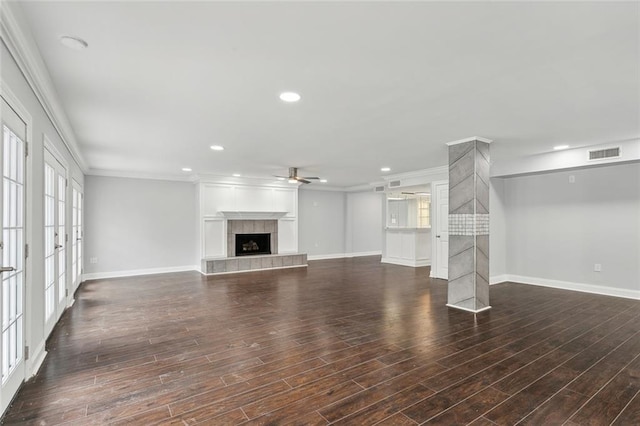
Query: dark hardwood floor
pixel 347 341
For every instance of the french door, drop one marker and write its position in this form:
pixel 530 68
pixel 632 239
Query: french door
pixel 55 240
pixel 12 243
pixel 76 236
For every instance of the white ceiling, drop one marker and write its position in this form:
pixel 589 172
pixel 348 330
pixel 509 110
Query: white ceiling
pixel 382 84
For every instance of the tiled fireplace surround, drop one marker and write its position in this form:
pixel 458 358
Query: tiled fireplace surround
pixel 248 263
pixel 251 227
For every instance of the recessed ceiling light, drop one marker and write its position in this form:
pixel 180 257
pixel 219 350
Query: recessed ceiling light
pixel 385 169
pixel 217 148
pixel 323 181
pixel 289 96
pixel 186 169
pixel 74 43
pixel 237 175
pixel 560 147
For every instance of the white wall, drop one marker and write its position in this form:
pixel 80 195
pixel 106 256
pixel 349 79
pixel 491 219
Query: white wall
pixel 14 82
pixel 557 230
pixel 139 224
pixel 364 225
pixel 322 222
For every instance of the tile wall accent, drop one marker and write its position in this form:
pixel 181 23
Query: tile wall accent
pixel 469 225
pixel 251 227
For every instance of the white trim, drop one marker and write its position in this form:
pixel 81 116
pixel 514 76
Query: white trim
pixel 323 187
pixel 472 138
pixel 28 202
pixel 497 279
pixel 343 255
pixel 25 52
pixel 567 285
pixel 255 215
pixel 252 270
pixel 426 173
pixel 140 175
pixel 137 272
pixel 475 311
pixel 36 359
pixel 406 262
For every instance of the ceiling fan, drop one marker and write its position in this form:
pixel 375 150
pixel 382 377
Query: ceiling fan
pixel 293 176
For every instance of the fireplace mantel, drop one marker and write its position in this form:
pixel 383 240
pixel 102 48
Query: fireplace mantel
pixel 240 215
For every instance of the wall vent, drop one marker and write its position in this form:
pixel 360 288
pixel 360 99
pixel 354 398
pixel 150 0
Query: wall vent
pixel 394 183
pixel 378 189
pixel 600 154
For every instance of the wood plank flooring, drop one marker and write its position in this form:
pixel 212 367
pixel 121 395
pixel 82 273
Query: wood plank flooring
pixel 347 341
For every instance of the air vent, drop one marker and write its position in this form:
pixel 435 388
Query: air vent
pixel 378 189
pixel 601 154
pixel 394 183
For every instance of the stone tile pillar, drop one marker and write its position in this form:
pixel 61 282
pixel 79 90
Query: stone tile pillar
pixel 469 224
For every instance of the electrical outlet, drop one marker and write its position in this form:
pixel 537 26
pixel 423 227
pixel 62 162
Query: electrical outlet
pixel 572 179
pixel 93 260
pixel 597 267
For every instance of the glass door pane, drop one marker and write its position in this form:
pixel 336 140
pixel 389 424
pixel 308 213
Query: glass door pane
pixel 12 250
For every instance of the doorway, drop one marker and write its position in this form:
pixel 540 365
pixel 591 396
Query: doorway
pixel 12 251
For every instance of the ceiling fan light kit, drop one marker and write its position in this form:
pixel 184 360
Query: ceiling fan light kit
pixel 294 178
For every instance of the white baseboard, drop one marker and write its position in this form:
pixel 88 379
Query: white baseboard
pixel 475 311
pixel 567 285
pixel 36 358
pixel 136 272
pixel 406 262
pixel 497 279
pixel 342 255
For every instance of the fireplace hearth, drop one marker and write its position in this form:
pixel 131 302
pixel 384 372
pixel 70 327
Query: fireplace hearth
pixel 253 244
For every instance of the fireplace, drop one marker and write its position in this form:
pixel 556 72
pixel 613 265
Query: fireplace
pixel 253 244
pixel 240 227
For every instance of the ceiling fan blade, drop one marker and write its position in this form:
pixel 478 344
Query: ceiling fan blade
pixel 299 179
pixel 309 177
pixel 284 177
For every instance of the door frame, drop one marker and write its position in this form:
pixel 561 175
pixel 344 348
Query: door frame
pixel 30 367
pixel 60 306
pixel 435 220
pixel 74 286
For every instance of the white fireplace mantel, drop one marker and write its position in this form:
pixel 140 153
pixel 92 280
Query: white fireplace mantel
pixel 221 203
pixel 254 215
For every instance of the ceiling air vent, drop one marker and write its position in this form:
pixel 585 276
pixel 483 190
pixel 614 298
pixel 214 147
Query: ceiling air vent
pixel 394 183
pixel 601 154
pixel 378 189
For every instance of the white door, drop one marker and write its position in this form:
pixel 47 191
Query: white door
pixel 440 230
pixel 55 239
pixel 76 236
pixel 12 274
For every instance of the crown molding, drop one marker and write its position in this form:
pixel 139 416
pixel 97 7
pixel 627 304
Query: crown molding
pixel 140 175
pixel 322 187
pixel 472 138
pixel 417 174
pixel 18 39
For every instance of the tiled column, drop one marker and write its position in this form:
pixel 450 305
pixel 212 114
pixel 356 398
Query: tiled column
pixel 469 224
